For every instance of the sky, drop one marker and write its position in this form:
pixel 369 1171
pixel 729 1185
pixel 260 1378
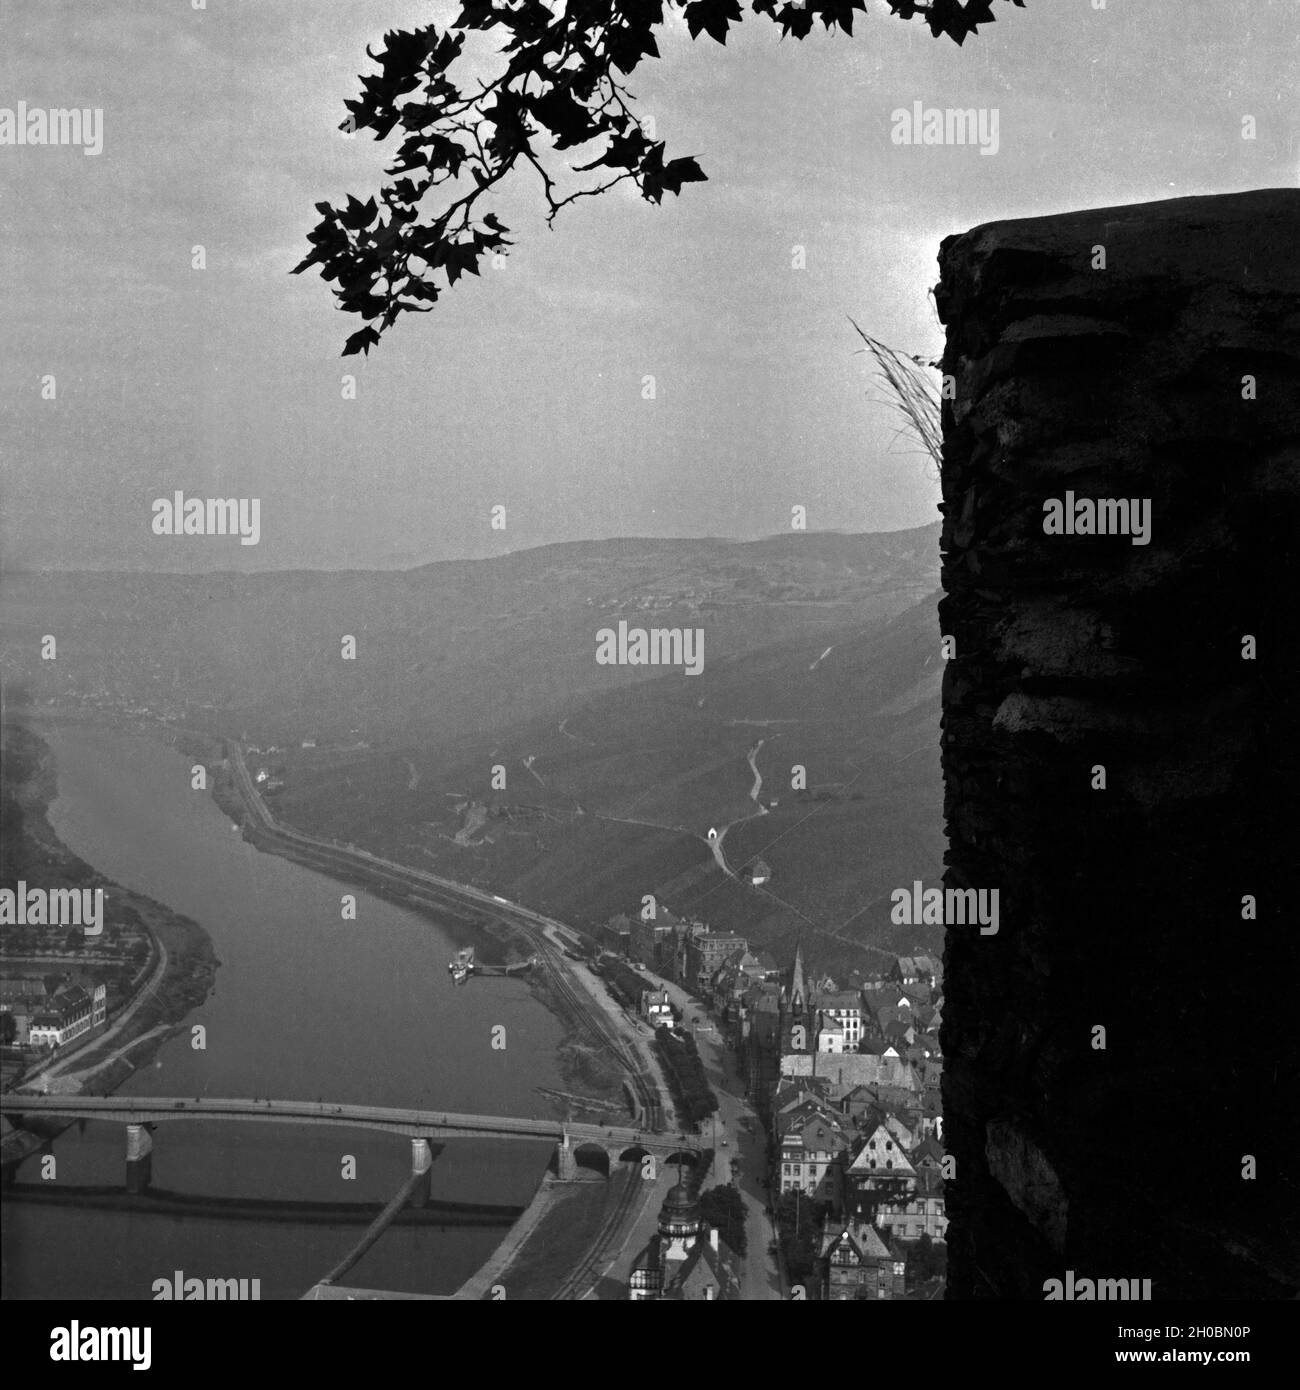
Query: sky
pixel 524 388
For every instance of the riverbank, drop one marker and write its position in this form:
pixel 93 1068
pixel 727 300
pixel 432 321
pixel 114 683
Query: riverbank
pixel 361 1010
pixel 152 988
pixel 584 1067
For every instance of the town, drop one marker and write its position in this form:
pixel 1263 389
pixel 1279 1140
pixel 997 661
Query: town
pixel 844 1079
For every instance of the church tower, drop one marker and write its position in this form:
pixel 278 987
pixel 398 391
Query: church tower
pixel 795 1009
pixel 798 996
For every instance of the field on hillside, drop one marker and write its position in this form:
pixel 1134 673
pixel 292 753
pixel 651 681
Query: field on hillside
pixel 444 653
pixel 616 800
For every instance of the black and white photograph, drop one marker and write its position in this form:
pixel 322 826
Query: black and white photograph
pixel 648 653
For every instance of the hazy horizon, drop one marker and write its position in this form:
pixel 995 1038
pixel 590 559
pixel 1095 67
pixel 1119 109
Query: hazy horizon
pixel 399 568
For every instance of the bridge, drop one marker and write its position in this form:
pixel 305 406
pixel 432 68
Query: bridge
pixel 140 1114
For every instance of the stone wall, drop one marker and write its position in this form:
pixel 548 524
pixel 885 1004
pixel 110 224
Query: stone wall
pixel 1103 354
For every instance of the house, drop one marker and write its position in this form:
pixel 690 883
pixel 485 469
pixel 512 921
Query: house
pixel 879 1173
pixel 876 995
pixel 768 965
pixel 919 1212
pixel 902 1134
pixel 858 1102
pixel 67 1015
pixel 931 1077
pixel 904 1119
pixel 791 1096
pixel 616 936
pixel 706 952
pixel 656 1008
pixel 858 1265
pixel 655 943
pixel 914 970
pixel 685 1260
pixel 813 1144
pixel 845 1008
pixel 830 1036
pixel 928 970
pixel 753 968
pixel 756 872
pixel 853 1069
pixel 927 1155
pixel 884 1155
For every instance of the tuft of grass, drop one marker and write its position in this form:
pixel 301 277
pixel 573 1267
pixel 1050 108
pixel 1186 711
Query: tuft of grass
pixel 912 393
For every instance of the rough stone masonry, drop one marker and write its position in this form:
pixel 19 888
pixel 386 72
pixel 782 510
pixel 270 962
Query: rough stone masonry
pixel 1150 353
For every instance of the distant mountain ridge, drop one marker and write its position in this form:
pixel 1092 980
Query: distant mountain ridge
pixel 469 673
pixel 442 648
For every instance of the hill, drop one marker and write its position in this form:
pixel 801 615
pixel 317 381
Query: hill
pixel 476 732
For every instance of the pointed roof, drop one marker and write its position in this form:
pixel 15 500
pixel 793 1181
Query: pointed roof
pixel 928 1148
pixel 798 985
pixel 703 1268
pixel 883 1156
pixel 863 1239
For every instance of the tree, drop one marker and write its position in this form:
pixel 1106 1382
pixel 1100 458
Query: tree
pixel 724 1208
pixel 559 86
pixel 798 1223
pixel 8 1028
pixel 74 941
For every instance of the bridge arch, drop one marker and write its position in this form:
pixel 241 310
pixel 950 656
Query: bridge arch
pixel 593 1156
pixel 633 1153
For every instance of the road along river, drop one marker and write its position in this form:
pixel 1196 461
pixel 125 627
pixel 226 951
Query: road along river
pixel 306 1006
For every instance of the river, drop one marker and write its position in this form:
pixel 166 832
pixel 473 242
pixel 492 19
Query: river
pixel 306 1006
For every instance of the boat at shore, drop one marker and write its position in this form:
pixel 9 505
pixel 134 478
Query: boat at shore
pixel 462 967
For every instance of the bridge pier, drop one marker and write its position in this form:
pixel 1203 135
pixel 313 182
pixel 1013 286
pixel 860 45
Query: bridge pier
pixel 139 1158
pixel 422 1169
pixel 566 1164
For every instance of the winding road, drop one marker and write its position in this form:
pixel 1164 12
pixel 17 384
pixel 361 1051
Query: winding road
pixel 715 837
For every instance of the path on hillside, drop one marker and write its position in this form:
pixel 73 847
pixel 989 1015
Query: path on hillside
pixel 752 757
pixel 716 837
pixel 821 658
pixel 528 763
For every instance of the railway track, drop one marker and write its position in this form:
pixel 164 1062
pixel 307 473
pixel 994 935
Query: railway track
pixel 580 1011
pixel 331 857
pixel 599 1252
